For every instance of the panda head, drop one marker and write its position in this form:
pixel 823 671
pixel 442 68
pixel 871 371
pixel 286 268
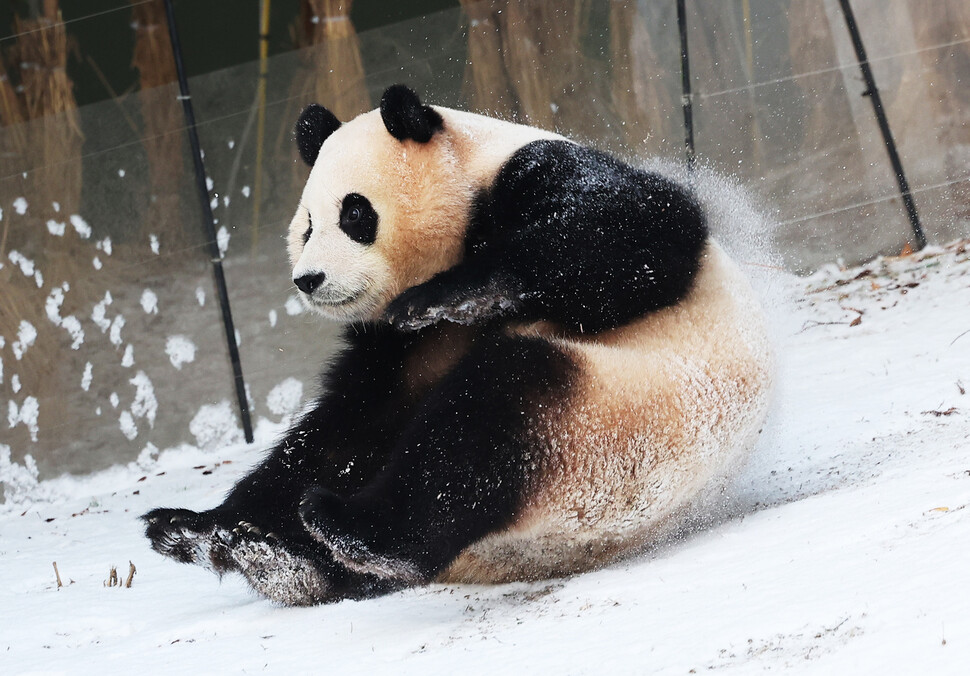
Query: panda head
pixel 385 206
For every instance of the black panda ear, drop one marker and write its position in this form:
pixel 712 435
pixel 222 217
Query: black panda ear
pixel 405 117
pixel 315 125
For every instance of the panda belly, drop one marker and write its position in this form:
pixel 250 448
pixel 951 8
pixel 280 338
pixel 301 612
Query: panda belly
pixel 660 409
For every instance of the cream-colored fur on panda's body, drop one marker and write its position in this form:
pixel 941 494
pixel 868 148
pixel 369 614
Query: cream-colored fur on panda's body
pixel 662 407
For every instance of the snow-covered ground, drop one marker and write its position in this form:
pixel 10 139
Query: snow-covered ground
pixel 844 550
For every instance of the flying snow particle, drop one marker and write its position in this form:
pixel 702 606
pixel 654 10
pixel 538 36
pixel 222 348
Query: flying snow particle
pixel 225 200
pixel 200 296
pixel 245 191
pixel 214 203
pixel 15 383
pixel 20 205
pixel 153 241
pixel 149 302
pixel 87 377
pixel 222 239
pixel 285 398
pixel 121 173
pixel 180 350
pixel 128 358
pixel 272 318
pixel 294 306
pixel 208 183
pixel 96 263
pixel 231 144
pixel 80 226
pixel 55 228
pixel 57 207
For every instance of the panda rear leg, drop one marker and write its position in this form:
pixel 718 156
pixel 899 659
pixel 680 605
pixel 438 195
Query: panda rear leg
pixel 460 470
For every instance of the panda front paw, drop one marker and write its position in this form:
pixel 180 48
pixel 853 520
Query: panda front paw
pixel 181 534
pixel 444 298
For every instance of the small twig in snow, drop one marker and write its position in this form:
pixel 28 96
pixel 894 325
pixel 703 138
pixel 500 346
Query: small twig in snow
pixel 58 576
pixel 959 337
pixel 131 575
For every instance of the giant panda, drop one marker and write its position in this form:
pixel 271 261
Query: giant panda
pixel 547 359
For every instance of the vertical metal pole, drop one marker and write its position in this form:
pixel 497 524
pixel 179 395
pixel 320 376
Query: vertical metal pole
pixel 887 136
pixel 685 86
pixel 209 225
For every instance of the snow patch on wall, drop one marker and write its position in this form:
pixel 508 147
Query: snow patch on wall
pixel 272 318
pixel 200 296
pixel 80 226
pixel 127 425
pixel 153 242
pixel 180 350
pixel 19 481
pixel 145 404
pixel 56 228
pixel 128 358
pixel 214 426
pixel 87 377
pixel 26 335
pixel 285 398
pixel 149 302
pixel 114 335
pixel 99 311
pixel 25 264
pixel 26 414
pixel 20 205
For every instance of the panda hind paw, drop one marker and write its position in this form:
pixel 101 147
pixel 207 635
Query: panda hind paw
pixel 322 513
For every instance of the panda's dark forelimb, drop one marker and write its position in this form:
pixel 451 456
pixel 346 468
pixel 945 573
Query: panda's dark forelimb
pixel 460 470
pixel 567 234
pixel 465 294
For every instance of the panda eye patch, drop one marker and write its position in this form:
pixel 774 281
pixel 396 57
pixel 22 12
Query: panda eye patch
pixel 358 219
pixel 309 230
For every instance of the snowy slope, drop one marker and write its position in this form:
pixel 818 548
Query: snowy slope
pixel 844 548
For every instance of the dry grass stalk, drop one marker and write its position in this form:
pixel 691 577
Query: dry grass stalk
pixel 161 115
pixel 639 94
pixel 558 85
pixel 131 575
pixel 486 87
pixel 337 77
pixel 54 136
pixel 112 580
pixel 332 73
pixel 58 576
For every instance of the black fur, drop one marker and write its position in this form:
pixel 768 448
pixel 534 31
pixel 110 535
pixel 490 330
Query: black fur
pixel 315 126
pixel 358 219
pixel 405 117
pixel 391 482
pixel 571 235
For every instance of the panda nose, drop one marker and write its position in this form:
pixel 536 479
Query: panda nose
pixel 309 283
